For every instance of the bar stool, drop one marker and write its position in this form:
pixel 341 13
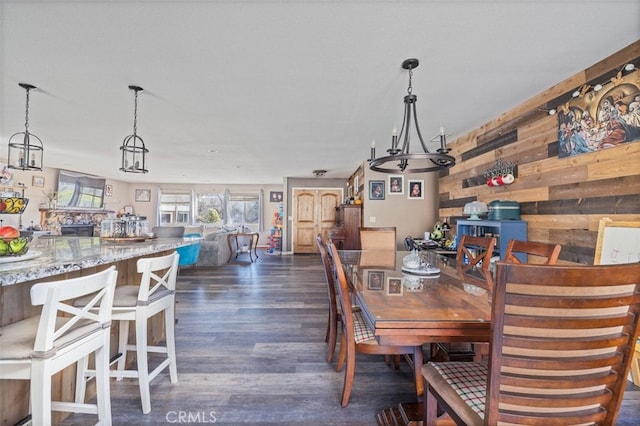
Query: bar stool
pixel 155 294
pixel 36 348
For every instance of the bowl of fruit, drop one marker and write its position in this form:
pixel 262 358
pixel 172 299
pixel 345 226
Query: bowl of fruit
pixel 11 243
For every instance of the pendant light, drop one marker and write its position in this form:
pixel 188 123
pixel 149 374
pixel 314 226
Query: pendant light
pixel 25 148
pixel 407 161
pixel 133 150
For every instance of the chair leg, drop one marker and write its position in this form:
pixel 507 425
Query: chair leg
pixel 342 354
pixel 417 371
pixel 430 408
pixel 40 391
pixel 81 381
pixel 171 343
pixel 349 374
pixel 143 364
pixel 328 333
pixel 103 394
pixel 123 340
pixel 333 337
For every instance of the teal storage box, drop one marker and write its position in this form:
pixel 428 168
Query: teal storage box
pixel 504 210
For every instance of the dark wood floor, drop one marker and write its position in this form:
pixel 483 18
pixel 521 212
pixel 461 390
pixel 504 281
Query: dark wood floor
pixel 250 348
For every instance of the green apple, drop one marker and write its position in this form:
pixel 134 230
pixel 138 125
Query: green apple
pixel 19 246
pixel 4 248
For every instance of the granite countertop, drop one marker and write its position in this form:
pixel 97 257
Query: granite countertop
pixel 60 254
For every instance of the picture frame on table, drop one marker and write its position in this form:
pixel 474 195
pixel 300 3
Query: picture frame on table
pixel 396 185
pixel 416 189
pixel 376 190
pixel 394 287
pixel 375 280
pixel 143 195
pixel 37 181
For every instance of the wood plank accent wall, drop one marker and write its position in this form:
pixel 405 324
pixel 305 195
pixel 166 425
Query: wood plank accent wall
pixel 562 199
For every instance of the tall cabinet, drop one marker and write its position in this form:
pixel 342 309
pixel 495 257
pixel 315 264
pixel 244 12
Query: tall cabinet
pixel 346 234
pixel 502 230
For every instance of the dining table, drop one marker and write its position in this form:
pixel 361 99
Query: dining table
pixel 405 303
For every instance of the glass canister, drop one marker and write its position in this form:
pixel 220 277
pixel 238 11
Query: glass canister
pixel 113 228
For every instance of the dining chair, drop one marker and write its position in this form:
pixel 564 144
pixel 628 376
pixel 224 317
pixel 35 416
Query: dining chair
pixel 334 317
pixel 189 254
pixel 137 303
pixel 378 238
pixel 560 351
pixel 535 252
pixel 37 348
pixel 357 337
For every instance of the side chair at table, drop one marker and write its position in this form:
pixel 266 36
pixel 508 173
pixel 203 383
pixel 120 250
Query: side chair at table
pixel 37 348
pixel 334 315
pixel 357 337
pixel 536 252
pixel 378 238
pixel 154 295
pixel 560 351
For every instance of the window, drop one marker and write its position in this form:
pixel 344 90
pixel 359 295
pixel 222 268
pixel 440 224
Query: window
pixel 175 208
pixel 210 208
pixel 243 209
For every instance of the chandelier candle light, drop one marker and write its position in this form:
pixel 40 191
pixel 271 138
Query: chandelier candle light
pixel 25 148
pixel 133 150
pixel 421 162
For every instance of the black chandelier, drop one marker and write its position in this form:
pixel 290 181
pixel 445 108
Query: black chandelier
pixel 421 162
pixel 133 150
pixel 25 148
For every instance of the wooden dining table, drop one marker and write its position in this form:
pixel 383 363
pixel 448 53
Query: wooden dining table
pixel 416 307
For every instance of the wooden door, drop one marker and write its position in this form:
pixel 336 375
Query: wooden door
pixel 314 212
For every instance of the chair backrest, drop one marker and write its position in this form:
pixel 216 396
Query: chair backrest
pixel 189 254
pixel 78 322
pixel 158 277
pixel 329 275
pixel 344 297
pixel 474 258
pixel 562 339
pixel 168 231
pixel 539 253
pixel 378 238
pixel 410 243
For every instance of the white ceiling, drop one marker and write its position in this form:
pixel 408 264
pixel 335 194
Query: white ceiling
pixel 280 87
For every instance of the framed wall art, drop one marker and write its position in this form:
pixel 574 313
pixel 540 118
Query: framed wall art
pixel 143 195
pixel 37 181
pixel 376 190
pixel 396 184
pixel 416 189
pixel 275 196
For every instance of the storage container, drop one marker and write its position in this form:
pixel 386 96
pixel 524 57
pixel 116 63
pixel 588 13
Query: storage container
pixel 504 210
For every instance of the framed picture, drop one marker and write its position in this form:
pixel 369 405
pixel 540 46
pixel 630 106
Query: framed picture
pixel 108 190
pixel 394 287
pixel 375 280
pixel 143 195
pixel 396 184
pixel 376 190
pixel 37 181
pixel 416 189
pixel 275 196
pixel 356 185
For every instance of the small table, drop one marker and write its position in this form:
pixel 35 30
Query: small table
pixel 236 248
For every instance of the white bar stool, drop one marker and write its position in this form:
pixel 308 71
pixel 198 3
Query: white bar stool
pixel 37 348
pixel 155 294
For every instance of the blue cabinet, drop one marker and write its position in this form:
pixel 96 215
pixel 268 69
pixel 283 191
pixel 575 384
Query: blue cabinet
pixel 502 230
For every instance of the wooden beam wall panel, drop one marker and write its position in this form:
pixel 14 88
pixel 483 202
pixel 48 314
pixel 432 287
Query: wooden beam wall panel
pixel 550 221
pixel 614 61
pixel 624 163
pixel 623 185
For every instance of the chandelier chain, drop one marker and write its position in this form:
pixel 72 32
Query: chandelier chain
pixel 410 88
pixel 135 113
pixel 26 116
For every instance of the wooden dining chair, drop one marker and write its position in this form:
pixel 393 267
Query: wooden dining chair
pixel 378 238
pixel 473 260
pixel 560 351
pixel 334 316
pixel 357 337
pixel 535 252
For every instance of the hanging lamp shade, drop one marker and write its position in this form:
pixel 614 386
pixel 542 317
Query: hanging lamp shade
pixel 25 148
pixel 134 152
pixel 400 158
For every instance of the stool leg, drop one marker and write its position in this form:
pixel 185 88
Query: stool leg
pixel 123 339
pixel 103 397
pixel 143 367
pixel 81 381
pixel 171 342
pixel 40 393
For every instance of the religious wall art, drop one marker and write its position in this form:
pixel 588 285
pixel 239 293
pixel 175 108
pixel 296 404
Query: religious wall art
pixel 597 120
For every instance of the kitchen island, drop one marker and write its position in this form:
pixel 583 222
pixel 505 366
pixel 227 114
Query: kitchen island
pixel 62 257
